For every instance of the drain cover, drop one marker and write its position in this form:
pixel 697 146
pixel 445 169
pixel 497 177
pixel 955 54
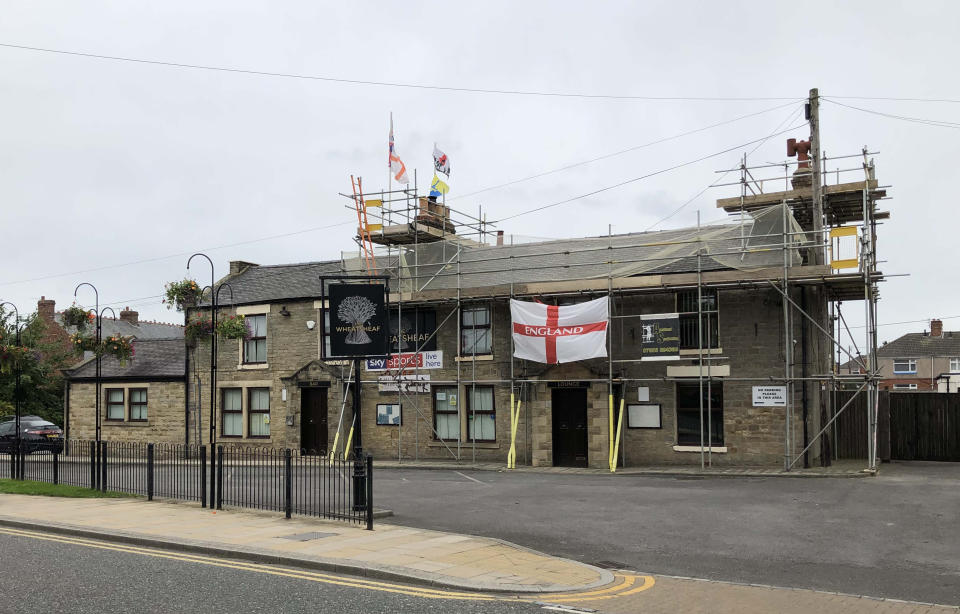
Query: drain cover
pixel 305 537
pixel 611 565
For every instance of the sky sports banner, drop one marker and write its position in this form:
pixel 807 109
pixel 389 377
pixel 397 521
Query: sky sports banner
pixel 660 336
pixel 552 334
pixel 411 360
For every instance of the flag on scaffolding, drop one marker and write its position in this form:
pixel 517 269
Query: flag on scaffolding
pixel 437 187
pixel 440 161
pixel 397 167
pixel 552 334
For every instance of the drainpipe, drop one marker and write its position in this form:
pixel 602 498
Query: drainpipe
pixel 186 394
pixel 804 372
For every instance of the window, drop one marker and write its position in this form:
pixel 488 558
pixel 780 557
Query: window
pixel 259 412
pixel 326 333
pixel 255 348
pixel 475 330
pixel 232 411
pixel 138 404
pixel 955 365
pixel 904 386
pixel 446 420
pixel 904 365
pixel 115 406
pixel 688 413
pixel 416 330
pixel 690 319
pixel 481 416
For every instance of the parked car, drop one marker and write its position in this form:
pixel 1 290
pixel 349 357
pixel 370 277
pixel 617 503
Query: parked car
pixel 35 434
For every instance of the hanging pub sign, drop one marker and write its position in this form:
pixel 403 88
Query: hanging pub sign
pixel 358 320
pixel 660 338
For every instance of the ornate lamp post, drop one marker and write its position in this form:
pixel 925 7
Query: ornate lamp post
pixel 16 468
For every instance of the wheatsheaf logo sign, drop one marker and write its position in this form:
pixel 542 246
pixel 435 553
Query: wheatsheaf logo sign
pixel 357 320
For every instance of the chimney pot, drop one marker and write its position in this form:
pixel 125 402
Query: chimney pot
pixel 936 328
pixel 128 315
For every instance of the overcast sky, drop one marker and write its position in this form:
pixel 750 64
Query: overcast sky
pixel 105 163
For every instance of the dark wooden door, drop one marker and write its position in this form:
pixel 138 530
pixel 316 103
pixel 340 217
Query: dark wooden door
pixel 313 420
pixel 570 427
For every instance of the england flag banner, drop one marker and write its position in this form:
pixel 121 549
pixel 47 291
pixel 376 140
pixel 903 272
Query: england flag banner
pixel 551 334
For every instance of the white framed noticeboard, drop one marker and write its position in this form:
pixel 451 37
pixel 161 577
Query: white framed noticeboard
pixel 769 396
pixel 643 416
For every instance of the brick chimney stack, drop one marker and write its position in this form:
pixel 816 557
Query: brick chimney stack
pixel 46 309
pixel 936 328
pixel 239 266
pixel 499 237
pixel 128 315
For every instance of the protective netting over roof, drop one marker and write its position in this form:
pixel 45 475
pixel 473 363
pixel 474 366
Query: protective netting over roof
pixel 755 242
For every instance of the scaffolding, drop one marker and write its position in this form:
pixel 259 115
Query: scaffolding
pixel 788 240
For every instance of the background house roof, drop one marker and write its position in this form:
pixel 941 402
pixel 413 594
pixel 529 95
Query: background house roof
pixel 153 359
pixel 141 330
pixel 915 345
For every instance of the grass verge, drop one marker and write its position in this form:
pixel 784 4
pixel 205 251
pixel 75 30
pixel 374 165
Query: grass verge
pixel 44 489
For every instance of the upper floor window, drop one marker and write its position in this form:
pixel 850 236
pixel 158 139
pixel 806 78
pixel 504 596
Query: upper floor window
pixel 955 365
pixel 475 335
pixel 255 347
pixel 412 329
pixel 690 319
pixel 904 365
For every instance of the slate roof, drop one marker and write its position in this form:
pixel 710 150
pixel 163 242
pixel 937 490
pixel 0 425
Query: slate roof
pixel 141 330
pixel 645 253
pixel 918 345
pixel 152 359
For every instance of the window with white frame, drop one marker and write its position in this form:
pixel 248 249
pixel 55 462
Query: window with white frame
pixel 446 418
pixel 115 405
pixel 955 365
pixel 904 386
pixel 138 404
pixel 481 414
pixel 232 410
pixel 259 412
pixel 255 346
pixel 904 365
pixel 475 330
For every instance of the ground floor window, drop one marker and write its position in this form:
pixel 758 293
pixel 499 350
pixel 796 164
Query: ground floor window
pixel 481 415
pixel 259 412
pixel 688 413
pixel 904 386
pixel 446 417
pixel 232 410
pixel 138 404
pixel 115 406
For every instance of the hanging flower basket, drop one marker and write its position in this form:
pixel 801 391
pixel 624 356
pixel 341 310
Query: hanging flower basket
pixel 119 347
pixel 196 330
pixel 233 327
pixel 13 357
pixel 181 294
pixel 74 315
pixel 85 343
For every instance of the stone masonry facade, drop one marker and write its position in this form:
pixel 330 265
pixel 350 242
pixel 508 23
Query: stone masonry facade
pixel 752 348
pixel 165 412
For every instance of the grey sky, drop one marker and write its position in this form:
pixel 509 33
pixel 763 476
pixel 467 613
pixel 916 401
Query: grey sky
pixel 104 163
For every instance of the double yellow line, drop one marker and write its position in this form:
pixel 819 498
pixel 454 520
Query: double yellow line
pixel 626 586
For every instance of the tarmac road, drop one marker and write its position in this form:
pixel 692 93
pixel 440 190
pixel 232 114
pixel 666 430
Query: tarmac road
pixel 893 536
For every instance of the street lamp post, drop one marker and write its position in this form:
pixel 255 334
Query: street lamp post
pixel 16 468
pixel 96 312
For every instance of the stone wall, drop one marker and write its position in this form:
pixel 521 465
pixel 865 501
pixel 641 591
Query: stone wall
pixel 165 402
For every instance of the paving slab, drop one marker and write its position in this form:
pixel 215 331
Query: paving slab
pixel 388 552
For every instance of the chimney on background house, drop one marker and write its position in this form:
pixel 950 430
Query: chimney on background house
pixel 46 309
pixel 238 266
pixel 499 237
pixel 128 315
pixel 936 328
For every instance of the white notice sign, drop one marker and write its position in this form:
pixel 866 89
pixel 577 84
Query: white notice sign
pixel 769 396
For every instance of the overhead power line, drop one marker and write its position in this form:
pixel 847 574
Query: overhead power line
pixel 916 120
pixel 418 86
pixel 646 176
pixel 621 152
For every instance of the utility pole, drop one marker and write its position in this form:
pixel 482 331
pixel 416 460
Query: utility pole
pixel 813 115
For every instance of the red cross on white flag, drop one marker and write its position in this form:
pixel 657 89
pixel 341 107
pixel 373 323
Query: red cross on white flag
pixel 551 334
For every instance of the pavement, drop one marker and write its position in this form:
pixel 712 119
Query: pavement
pixel 388 552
